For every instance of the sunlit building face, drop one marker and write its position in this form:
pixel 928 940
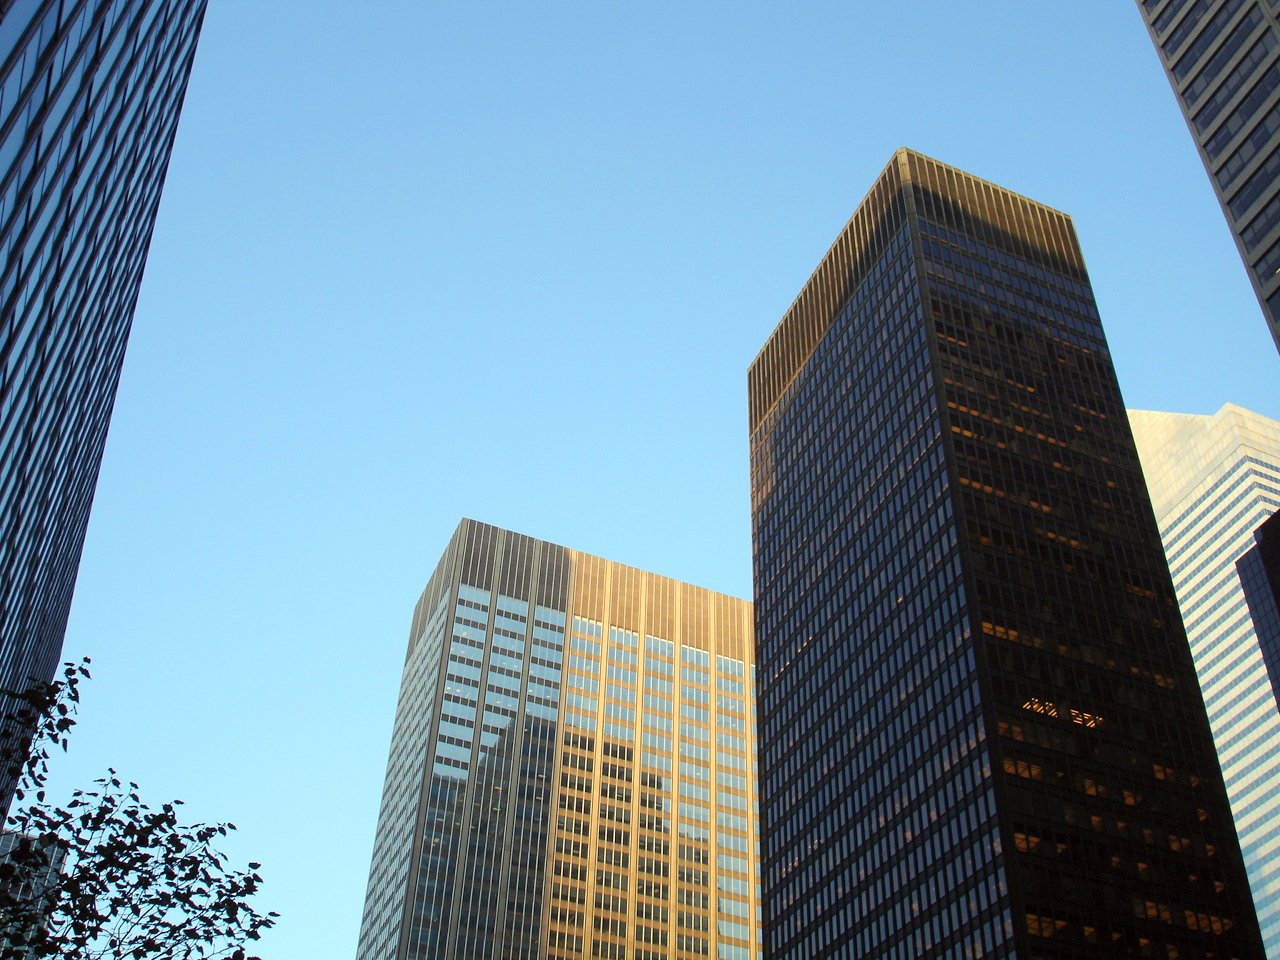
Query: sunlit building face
pixel 1214 482
pixel 572 771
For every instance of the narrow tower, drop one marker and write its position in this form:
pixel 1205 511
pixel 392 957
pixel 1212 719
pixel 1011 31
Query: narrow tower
pixel 981 733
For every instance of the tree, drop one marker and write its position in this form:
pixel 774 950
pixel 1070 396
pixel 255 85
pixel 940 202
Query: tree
pixel 105 875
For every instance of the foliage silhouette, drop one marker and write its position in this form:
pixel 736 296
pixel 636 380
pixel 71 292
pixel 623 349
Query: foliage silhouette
pixel 106 877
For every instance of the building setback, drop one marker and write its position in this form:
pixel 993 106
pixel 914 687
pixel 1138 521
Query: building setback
pixel 90 92
pixel 1214 480
pixel 981 733
pixel 1222 58
pixel 572 769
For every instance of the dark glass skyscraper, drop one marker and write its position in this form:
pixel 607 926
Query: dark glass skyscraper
pixel 981 732
pixel 572 770
pixel 90 92
pixel 1223 61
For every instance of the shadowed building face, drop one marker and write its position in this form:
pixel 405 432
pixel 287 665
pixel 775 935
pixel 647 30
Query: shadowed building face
pixel 981 733
pixel 572 771
pixel 1259 571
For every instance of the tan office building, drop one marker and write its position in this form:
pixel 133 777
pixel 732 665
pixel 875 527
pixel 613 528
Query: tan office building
pixel 572 768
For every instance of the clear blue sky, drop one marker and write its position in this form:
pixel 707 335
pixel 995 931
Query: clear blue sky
pixel 510 261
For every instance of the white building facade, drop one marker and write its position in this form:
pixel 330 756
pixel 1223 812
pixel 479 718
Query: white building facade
pixel 1213 481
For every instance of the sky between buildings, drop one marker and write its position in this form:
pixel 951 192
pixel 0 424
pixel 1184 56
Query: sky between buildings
pixel 422 261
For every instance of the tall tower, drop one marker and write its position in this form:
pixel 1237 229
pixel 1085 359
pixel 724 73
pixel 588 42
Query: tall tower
pixel 1222 58
pixel 1214 480
pixel 572 769
pixel 90 93
pixel 981 733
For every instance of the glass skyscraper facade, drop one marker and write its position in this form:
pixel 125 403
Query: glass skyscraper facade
pixel 90 92
pixel 1214 480
pixel 1222 58
pixel 981 732
pixel 572 769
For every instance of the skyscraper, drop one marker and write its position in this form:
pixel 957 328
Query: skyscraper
pixel 981 733
pixel 90 92
pixel 572 769
pixel 1222 58
pixel 1214 480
